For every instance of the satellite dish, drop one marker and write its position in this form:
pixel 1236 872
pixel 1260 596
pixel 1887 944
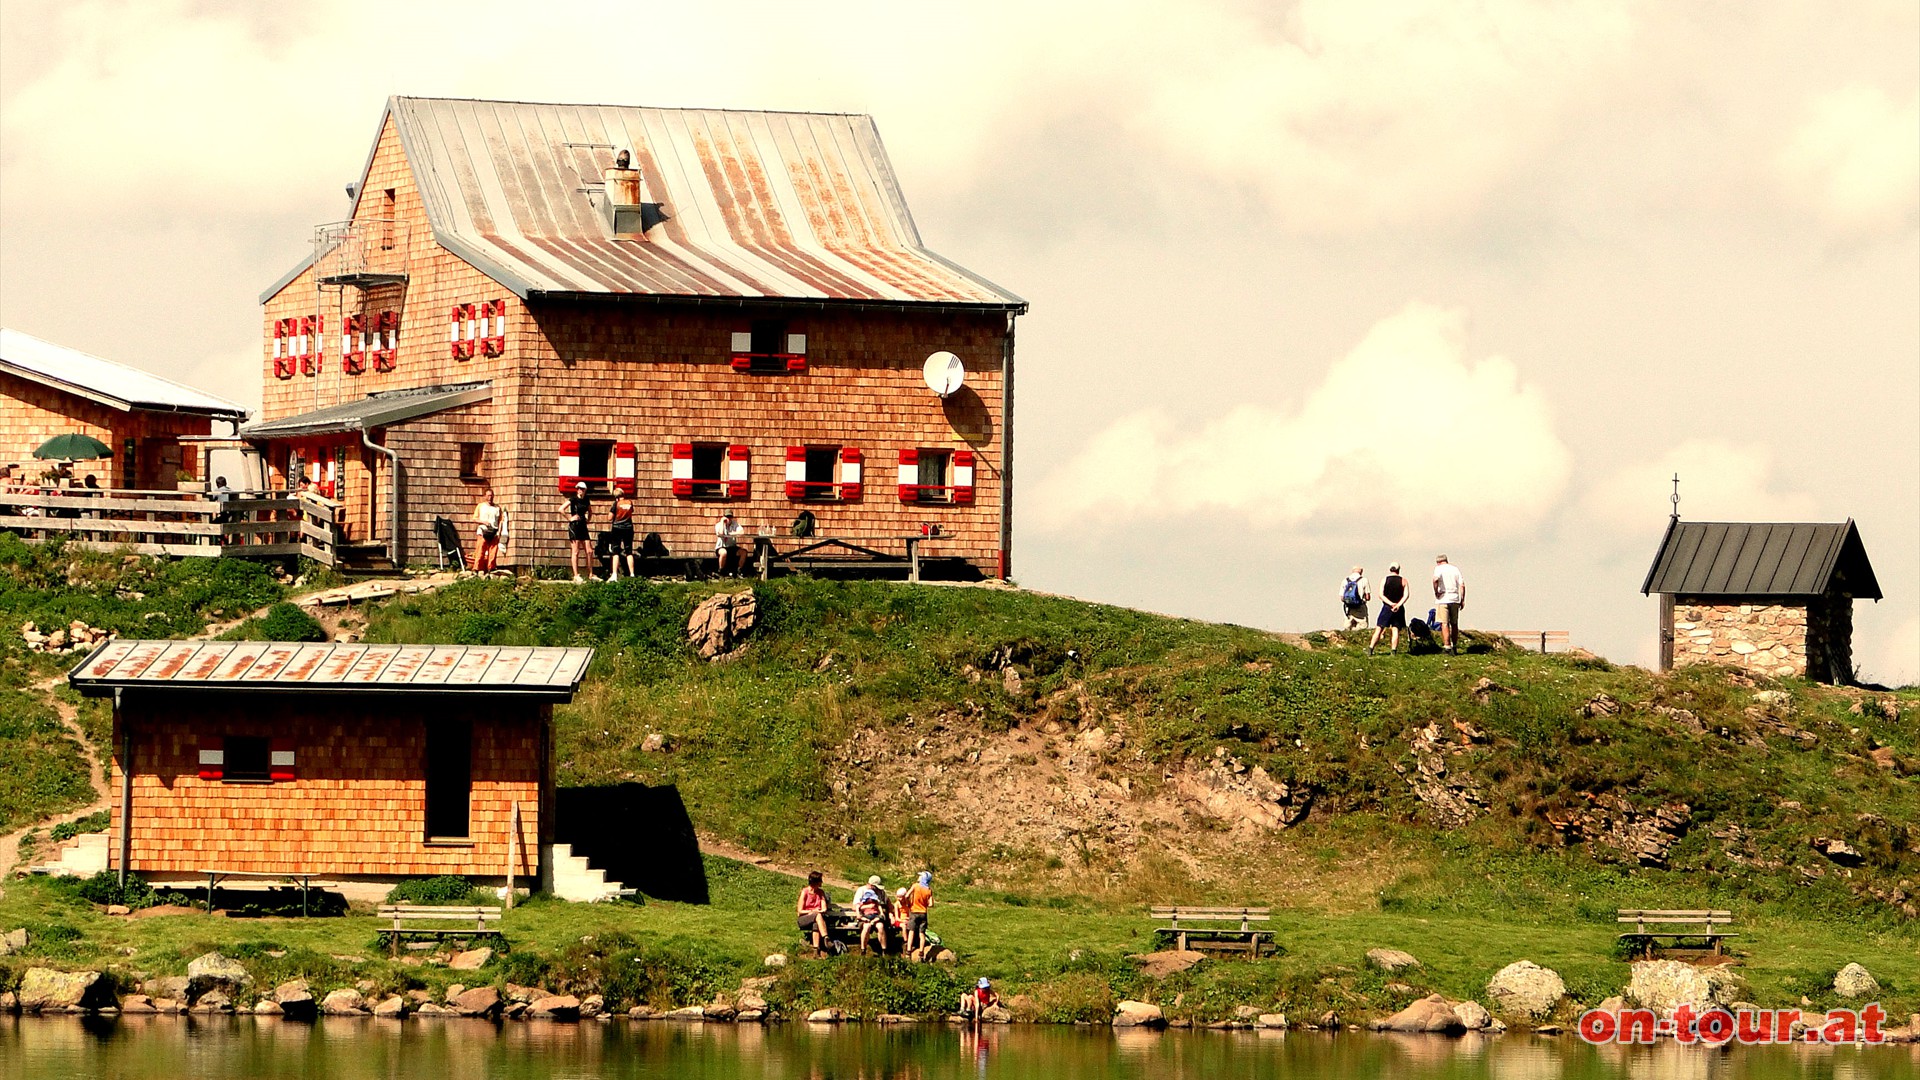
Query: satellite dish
pixel 944 373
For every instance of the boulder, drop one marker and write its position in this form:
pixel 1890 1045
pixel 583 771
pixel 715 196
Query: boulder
pixel 137 1003
pixel 654 743
pixel 393 1007
pixel 1473 1016
pixel 1524 988
pixel 14 941
pixel 428 1008
pixel 1664 985
pixel 212 1002
pixel 776 960
pixel 346 1002
pixel 1138 1014
pixel 1430 1014
pixel 166 1006
pixel 172 986
pixel 592 1005
pixel 47 990
pixel 996 1014
pixel 1271 1021
pixel 1391 960
pixel 748 1000
pixel 1159 965
pixel 750 1016
pixel 642 1012
pixel 945 956
pixel 1854 981
pixel 825 1016
pixel 265 1007
pixel 294 997
pixel 555 1007
pixel 720 624
pixel 691 1012
pixel 471 959
pixel 478 1001
pixel 895 1018
pixel 215 972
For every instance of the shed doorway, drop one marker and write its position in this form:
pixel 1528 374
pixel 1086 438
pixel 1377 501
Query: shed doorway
pixel 449 778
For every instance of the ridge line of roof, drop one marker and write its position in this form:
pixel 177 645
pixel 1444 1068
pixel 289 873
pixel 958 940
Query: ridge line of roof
pixel 610 105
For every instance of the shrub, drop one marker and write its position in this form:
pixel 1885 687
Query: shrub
pixel 92 823
pixel 104 888
pixel 445 889
pixel 287 622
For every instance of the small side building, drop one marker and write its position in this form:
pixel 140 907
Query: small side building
pixel 359 762
pixel 1772 598
pixel 151 423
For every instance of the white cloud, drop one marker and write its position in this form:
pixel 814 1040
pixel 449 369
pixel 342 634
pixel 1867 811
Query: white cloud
pixel 1406 435
pixel 1720 480
pixel 1855 159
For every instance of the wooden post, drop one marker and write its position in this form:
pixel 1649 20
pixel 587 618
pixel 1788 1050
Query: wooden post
pixel 513 853
pixel 1666 631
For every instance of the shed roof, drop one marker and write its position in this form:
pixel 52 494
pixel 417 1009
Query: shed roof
pixel 111 384
pixel 1729 558
pixel 303 667
pixel 757 205
pixel 374 410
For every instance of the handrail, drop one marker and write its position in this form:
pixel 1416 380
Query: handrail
pixel 178 523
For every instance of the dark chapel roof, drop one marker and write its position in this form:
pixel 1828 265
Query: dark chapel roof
pixel 1733 558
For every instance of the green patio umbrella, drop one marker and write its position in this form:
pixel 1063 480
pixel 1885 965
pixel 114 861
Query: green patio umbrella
pixel 73 447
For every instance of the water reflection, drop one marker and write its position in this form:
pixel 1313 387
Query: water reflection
pixel 168 1048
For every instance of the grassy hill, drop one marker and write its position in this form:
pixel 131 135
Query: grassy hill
pixel 1060 763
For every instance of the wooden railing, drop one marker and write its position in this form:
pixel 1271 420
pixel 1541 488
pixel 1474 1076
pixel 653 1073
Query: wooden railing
pixel 1541 640
pixel 180 523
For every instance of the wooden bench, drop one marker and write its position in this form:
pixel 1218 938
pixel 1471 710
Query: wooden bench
pixel 473 922
pixel 1704 923
pixel 1221 935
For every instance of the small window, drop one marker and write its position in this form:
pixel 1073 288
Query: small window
pixel 472 455
pixel 933 476
pixel 769 337
pixel 709 469
pixel 768 346
pixel 596 464
pixel 245 757
pixel 386 221
pixel 821 462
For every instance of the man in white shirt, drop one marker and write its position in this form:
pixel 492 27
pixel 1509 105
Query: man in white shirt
pixel 726 543
pixel 1450 589
pixel 1354 594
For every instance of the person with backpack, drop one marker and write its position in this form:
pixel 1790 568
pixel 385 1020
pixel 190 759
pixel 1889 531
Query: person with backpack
pixel 620 543
pixel 871 907
pixel 1393 611
pixel 1354 595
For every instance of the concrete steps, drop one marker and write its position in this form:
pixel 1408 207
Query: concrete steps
pixel 83 856
pixel 575 880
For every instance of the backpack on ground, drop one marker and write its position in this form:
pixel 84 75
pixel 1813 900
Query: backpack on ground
pixel 803 525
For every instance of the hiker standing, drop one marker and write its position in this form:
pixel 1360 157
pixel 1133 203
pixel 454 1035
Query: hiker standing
pixel 577 508
pixel 620 547
pixel 919 900
pixel 1354 595
pixel 1450 589
pixel 1393 610
pixel 490 525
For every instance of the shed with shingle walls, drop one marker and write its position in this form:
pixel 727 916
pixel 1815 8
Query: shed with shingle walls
pixel 1770 597
pixel 359 762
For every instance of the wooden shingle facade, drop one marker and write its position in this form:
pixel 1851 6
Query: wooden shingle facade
pixel 747 335
pixel 1773 598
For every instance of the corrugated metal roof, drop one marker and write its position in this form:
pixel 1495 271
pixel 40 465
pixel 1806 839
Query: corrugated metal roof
pixel 96 379
pixel 775 205
pixel 1723 558
pixel 374 410
pixel 295 666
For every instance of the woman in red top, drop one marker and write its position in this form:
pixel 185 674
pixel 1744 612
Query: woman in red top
pixel 812 912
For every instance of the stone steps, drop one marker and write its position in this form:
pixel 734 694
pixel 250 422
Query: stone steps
pixel 575 880
pixel 83 856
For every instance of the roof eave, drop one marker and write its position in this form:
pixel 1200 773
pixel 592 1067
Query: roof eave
pixel 1660 553
pixel 122 404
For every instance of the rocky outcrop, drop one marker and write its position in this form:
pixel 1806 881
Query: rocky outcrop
pixel 1450 799
pixel 1228 789
pixel 1664 985
pixel 1138 1014
pixel 1855 981
pixel 479 1001
pixel 76 636
pixel 294 997
pixel 555 1007
pixel 1474 1016
pixel 719 625
pixel 1159 965
pixel 470 959
pixel 1524 988
pixel 1432 1014
pixel 1391 960
pixel 392 1008
pixel 47 990
pixel 1611 822
pixel 212 972
pixel 346 1002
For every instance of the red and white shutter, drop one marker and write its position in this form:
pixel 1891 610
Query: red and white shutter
pixel 387 340
pixel 353 345
pixel 493 327
pixel 742 351
pixel 796 472
pixel 909 476
pixel 283 348
pixel 796 352
pixel 463 327
pixel 626 462
pixel 682 458
pixel 568 467
pixel 213 759
pixel 849 474
pixel 962 478
pixel 280 754
pixel 737 471
pixel 313 335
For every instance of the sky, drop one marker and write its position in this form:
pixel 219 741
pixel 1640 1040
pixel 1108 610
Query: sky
pixel 1313 284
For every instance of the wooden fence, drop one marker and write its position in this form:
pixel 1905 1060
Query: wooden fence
pixel 181 523
pixel 1541 640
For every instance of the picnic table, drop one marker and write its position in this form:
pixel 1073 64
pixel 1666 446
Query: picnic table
pixel 833 551
pixel 304 880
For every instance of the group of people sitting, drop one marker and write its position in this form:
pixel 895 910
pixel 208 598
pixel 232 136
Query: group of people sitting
pixel 883 921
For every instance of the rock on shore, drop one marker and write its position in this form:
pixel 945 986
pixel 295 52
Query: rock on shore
pixel 1524 988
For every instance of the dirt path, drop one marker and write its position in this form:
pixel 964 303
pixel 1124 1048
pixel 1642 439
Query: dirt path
pixel 713 845
pixel 96 777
